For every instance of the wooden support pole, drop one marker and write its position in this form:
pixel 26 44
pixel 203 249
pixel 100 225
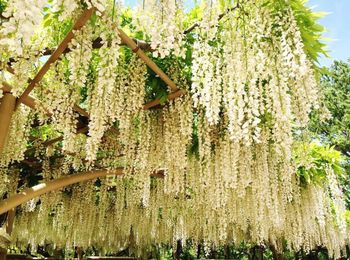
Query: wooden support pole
pixel 3 254
pixel 9 227
pixel 57 53
pixel 79 253
pixel 10 219
pixel 7 108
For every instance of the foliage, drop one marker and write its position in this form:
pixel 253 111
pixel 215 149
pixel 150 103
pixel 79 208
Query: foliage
pixel 3 4
pixel 335 131
pixel 313 161
pixel 311 30
pixel 336 89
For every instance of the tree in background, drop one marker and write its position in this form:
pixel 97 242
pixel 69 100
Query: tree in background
pixel 335 131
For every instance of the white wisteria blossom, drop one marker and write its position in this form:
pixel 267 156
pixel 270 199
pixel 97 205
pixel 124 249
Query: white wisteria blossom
pixel 163 22
pixel 24 19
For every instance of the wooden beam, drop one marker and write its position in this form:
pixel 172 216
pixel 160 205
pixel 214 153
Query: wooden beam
pixel 56 54
pixel 53 185
pixel 82 130
pixel 31 102
pixel 49 186
pixel 7 107
pixel 136 49
pixel 157 102
pixel 97 43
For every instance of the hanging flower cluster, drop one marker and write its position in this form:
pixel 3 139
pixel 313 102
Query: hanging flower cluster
pixel 162 21
pixel 24 17
pixel 16 142
pixel 65 8
pixel 132 95
pixel 66 94
pixel 214 216
pixel 122 100
pixel 207 77
pixel 177 138
pixel 101 110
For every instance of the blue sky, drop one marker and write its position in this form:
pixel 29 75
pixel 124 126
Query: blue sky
pixel 338 27
pixel 337 24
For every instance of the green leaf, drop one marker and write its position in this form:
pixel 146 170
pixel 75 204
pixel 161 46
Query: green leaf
pixel 163 99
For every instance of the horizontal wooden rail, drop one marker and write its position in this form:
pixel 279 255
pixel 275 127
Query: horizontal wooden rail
pixel 31 102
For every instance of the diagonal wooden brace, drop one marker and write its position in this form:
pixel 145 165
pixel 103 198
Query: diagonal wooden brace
pixel 57 53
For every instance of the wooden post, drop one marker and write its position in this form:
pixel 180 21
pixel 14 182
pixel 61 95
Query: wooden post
pixel 7 107
pixel 178 250
pixel 79 253
pixel 276 254
pixel 10 219
pixel 3 254
pixel 199 249
pixel 9 226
